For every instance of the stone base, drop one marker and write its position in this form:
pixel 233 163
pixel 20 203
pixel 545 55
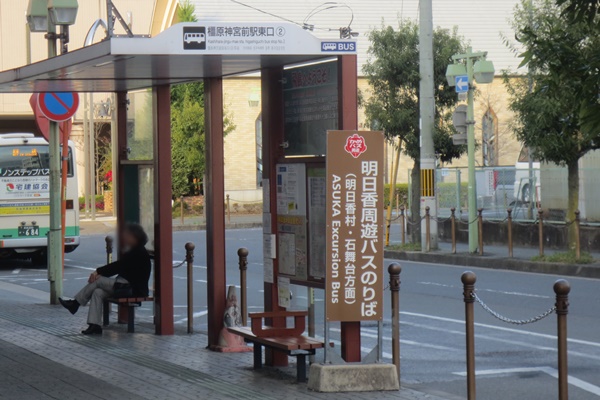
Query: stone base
pixel 353 378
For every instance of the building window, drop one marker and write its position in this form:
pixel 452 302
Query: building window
pixel 259 151
pixel 489 126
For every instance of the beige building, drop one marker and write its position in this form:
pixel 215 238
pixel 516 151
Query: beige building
pixel 483 25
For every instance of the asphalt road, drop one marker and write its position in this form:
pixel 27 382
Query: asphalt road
pixel 513 362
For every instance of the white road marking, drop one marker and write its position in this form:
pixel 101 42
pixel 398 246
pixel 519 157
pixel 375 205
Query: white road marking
pixel 196 315
pixel 488 290
pixel 500 328
pixel 16 271
pixel 363 349
pixel 588 387
pixel 81 267
pixel 204 281
pixel 373 335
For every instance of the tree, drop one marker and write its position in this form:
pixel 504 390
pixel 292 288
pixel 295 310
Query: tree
pixel 551 105
pixel 393 73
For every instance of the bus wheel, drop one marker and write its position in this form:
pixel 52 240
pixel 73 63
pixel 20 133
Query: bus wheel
pixel 39 258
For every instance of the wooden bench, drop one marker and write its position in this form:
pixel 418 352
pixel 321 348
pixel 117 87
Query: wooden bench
pixel 288 340
pixel 131 303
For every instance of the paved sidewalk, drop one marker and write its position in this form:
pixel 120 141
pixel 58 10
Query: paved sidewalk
pixel 42 356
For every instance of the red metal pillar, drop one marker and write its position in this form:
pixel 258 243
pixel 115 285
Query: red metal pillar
pixel 122 148
pixel 123 312
pixel 215 208
pixel 163 219
pixel 348 120
pixel 273 125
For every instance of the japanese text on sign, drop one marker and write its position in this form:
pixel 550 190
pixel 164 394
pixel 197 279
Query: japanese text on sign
pixel 354 284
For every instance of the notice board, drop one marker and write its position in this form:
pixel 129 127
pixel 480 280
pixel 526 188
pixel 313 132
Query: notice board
pixel 292 246
pixel 354 235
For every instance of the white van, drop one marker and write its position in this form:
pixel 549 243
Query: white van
pixel 522 189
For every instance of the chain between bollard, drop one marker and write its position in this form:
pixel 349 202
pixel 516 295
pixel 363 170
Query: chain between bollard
pixel 513 321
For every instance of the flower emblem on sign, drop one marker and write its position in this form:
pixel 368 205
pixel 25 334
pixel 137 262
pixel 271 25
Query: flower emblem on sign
pixel 355 145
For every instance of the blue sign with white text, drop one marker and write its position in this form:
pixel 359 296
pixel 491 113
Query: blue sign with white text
pixel 462 83
pixel 338 46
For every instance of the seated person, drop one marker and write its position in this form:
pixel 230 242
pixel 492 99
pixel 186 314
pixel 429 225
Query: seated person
pixel 127 277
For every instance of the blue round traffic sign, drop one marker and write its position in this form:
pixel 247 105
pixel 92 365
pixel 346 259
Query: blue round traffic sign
pixel 59 106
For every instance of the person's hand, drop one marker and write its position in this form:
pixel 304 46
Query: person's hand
pixel 93 277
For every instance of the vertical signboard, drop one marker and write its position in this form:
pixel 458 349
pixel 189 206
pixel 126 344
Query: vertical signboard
pixel 354 278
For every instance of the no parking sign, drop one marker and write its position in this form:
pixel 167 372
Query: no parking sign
pixel 58 106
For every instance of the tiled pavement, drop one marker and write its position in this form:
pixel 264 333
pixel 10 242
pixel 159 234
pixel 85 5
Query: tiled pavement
pixel 42 356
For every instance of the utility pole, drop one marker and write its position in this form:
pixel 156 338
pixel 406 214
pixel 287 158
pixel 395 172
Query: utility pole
pixel 55 240
pixel 427 116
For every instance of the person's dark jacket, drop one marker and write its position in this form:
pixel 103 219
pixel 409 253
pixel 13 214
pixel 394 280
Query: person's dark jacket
pixel 135 267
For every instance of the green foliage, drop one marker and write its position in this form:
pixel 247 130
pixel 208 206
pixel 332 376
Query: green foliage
pixel 405 247
pixel 566 258
pixel 553 106
pixel 393 72
pixel 580 10
pixel 186 12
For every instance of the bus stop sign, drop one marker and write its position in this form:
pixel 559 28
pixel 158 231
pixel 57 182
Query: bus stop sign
pixel 58 106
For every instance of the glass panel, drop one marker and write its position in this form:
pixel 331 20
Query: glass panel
pixel 140 130
pixel 311 108
pixel 146 186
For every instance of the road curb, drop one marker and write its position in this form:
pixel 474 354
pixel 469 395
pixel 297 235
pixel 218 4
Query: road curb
pixel 202 227
pixel 495 262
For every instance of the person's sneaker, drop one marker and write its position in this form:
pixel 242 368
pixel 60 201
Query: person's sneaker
pixel 71 305
pixel 93 330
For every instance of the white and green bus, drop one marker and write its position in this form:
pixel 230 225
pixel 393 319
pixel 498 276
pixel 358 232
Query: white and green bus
pixel 24 198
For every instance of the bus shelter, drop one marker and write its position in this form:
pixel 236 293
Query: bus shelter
pixel 208 51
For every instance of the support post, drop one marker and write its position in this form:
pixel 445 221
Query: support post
pixel 189 258
pixel 348 120
pixel 182 209
pixel 395 269
pixel 163 215
pixel 311 319
pixel 402 226
pixel 243 263
pixel 228 210
pixel 562 289
pixel 480 230
pixel 109 248
pixel 472 182
pixel 509 229
pixel 427 230
pixel 214 212
pixel 468 279
pixel 541 231
pixel 453 228
pixel 577 236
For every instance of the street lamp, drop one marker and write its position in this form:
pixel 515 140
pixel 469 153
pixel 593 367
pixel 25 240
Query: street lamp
pixel 37 15
pixel 44 16
pixel 62 12
pixel 475 68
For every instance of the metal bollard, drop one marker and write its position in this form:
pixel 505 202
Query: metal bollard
pixel 394 269
pixel 182 208
pixel 402 225
pixel 228 210
pixel 509 229
pixel 468 279
pixel 427 230
pixel 243 256
pixel 189 258
pixel 541 231
pixel 109 248
pixel 562 289
pixel 480 228
pixel 577 236
pixel 453 228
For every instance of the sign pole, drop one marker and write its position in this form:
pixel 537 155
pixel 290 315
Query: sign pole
pixel 55 267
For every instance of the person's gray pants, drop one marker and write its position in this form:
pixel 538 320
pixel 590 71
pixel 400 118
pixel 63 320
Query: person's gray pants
pixel 95 293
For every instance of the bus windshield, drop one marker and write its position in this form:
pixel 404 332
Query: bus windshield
pixel 28 160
